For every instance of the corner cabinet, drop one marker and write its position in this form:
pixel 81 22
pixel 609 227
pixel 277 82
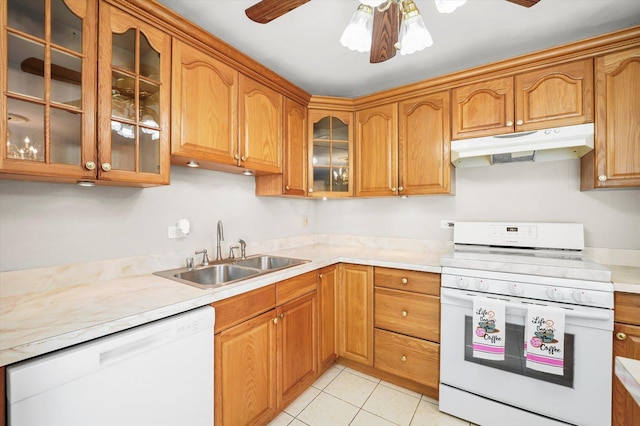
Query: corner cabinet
pixel 558 95
pixel 48 86
pixel 330 171
pixel 134 68
pixel 615 160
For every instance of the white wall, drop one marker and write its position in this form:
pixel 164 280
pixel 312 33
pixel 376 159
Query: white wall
pixel 50 224
pixel 514 192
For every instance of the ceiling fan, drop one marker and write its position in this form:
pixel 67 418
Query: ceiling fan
pixel 386 22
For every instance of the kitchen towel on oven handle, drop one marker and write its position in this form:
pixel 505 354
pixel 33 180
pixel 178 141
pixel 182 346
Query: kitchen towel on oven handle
pixel 544 339
pixel 489 333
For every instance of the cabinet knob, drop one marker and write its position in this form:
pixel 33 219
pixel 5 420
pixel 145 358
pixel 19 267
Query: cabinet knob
pixel 602 178
pixel 509 123
pixel 275 320
pixel 243 158
pixel 393 189
pixel 403 358
pixel 404 280
pixel 282 315
pixel 405 313
pixel 519 122
pixel 400 188
pixel 621 336
pixel 310 190
pixel 106 167
pixel 287 187
pixel 320 276
pixel 90 165
pixel 236 156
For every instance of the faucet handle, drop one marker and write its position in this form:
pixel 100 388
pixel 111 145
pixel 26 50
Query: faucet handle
pixel 232 254
pixel 205 257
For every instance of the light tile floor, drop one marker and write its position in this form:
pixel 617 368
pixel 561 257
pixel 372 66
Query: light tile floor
pixel 343 396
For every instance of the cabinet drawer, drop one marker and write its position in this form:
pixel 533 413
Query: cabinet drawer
pixel 237 309
pixel 419 282
pixel 627 308
pixel 295 287
pixel 407 357
pixel 414 314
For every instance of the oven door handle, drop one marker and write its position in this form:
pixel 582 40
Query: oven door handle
pixel 522 308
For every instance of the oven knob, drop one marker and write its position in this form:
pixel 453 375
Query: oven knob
pixel 482 285
pixel 516 289
pixel 462 282
pixel 581 296
pixel 555 293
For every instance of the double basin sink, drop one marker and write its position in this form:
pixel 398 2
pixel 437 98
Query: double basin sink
pixel 229 271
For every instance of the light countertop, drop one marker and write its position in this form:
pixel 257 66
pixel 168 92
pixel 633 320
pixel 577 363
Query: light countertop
pixel 46 319
pixel 628 371
pixel 46 309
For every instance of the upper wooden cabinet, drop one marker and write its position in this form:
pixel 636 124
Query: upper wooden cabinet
pixel 134 69
pixel 293 180
pixel 404 148
pixel 558 95
pixel 204 126
pixel 48 87
pixel 615 160
pixel 222 119
pixel 330 153
pixel 260 121
pixel 377 151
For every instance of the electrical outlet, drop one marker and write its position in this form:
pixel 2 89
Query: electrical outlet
pixel 305 221
pixel 173 232
pixel 447 224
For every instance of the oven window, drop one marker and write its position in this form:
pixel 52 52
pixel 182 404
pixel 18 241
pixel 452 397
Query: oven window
pixel 514 360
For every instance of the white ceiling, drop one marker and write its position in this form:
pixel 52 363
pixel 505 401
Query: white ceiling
pixel 303 45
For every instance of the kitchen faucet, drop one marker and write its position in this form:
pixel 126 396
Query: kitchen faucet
pixel 220 238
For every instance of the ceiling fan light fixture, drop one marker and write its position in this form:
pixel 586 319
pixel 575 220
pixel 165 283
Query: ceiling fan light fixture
pixel 357 35
pixel 414 35
pixel 448 6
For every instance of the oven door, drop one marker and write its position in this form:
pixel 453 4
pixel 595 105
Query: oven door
pixel 581 396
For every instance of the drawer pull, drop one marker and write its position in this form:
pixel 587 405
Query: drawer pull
pixel 403 358
pixel 405 313
pixel 404 281
pixel 621 336
pixel 275 320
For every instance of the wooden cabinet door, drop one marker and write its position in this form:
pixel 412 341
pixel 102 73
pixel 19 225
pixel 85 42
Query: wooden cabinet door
pixel 260 123
pixel 482 109
pixel 626 343
pixel 560 95
pixel 355 313
pixel 297 347
pixel 48 89
pixel 615 161
pixel 134 68
pixel 245 372
pixel 204 106
pixel 377 151
pixel 327 301
pixel 293 180
pixel 424 142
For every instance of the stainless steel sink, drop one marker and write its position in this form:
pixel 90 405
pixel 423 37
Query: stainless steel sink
pixel 268 262
pixel 229 271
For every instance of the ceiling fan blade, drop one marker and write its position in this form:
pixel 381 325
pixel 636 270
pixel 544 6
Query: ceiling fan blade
pixel 268 10
pixel 525 3
pixel 385 34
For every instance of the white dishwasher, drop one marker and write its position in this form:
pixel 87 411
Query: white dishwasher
pixel 159 373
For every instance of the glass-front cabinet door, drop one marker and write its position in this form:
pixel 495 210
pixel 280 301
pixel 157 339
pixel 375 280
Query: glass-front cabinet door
pixel 133 99
pixel 330 153
pixel 48 51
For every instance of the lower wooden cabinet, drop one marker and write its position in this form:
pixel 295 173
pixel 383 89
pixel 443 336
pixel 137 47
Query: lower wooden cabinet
pixel 626 343
pixel 355 313
pixel 327 317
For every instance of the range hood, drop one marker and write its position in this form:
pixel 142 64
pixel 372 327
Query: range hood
pixel 558 143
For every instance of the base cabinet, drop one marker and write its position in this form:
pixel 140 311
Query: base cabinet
pixel 626 343
pixel 327 320
pixel 355 313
